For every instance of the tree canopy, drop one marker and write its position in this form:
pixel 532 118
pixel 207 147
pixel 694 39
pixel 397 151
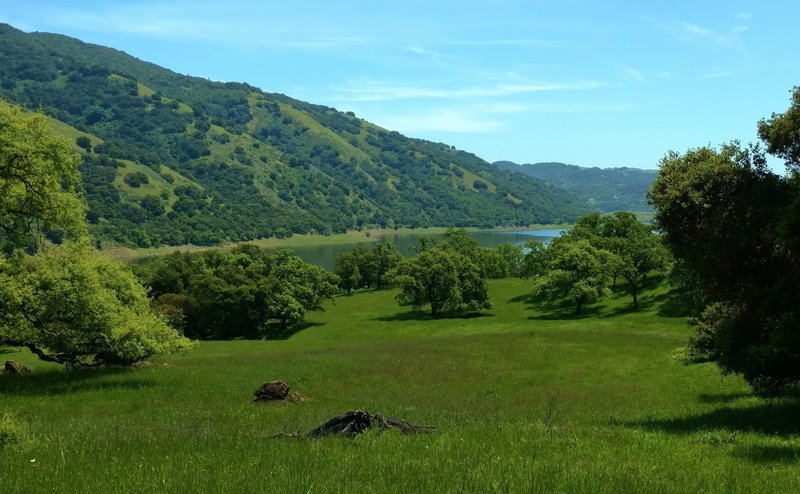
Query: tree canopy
pixel 446 276
pixel 365 267
pixel 39 182
pixel 635 249
pixel 575 270
pixel 241 293
pixel 66 303
pixel 733 225
pixel 71 305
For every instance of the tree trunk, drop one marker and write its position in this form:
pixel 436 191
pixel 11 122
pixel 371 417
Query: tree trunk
pixel 47 357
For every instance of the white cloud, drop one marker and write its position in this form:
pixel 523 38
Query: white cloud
pixel 542 43
pixel 380 91
pixel 441 120
pixel 633 73
pixel 691 31
pixel 206 22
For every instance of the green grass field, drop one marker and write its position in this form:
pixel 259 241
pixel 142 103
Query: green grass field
pixel 526 398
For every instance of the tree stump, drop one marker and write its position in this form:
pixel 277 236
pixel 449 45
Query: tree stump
pixel 13 367
pixel 357 421
pixel 271 391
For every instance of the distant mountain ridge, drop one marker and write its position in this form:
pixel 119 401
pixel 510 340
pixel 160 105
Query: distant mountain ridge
pixel 175 159
pixel 603 189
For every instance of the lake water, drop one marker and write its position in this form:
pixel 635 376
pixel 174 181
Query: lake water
pixel 325 255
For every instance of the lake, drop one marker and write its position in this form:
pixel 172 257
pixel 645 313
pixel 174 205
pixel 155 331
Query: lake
pixel 325 255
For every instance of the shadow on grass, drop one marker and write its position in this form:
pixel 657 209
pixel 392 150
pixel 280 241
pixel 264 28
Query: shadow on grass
pixel 62 381
pixel 278 333
pixel 674 303
pixel 719 398
pixel 526 298
pixel 7 350
pixel 418 315
pixel 770 418
pixel 769 454
pixel 565 312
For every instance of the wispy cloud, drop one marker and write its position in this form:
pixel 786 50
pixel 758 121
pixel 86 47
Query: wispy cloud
pixel 457 121
pixel 691 31
pixel 209 23
pixel 633 73
pixel 523 42
pixel 485 117
pixel 379 91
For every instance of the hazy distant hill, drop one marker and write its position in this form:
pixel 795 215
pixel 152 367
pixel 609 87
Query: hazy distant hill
pixel 176 159
pixel 604 189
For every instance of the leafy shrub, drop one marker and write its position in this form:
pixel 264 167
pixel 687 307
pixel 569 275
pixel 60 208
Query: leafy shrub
pixel 136 179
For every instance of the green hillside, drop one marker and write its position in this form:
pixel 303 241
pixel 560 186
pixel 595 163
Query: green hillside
pixel 175 159
pixel 604 189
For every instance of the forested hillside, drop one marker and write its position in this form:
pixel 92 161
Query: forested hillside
pixel 174 159
pixel 603 189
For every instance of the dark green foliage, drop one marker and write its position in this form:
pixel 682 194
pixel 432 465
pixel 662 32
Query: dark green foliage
pixel 136 179
pixel 366 268
pixel 732 224
pixel 267 164
pixel 534 260
pixel 781 133
pixel 219 295
pixel 604 189
pixel 447 276
pixel 599 249
pixel 575 270
pixel 513 257
pixel 635 249
pixel 84 143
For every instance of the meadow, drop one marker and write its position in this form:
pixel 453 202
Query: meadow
pixel 527 397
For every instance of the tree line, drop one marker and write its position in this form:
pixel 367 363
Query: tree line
pixel 243 293
pixel 451 276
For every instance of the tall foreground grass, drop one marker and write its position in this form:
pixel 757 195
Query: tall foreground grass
pixel 526 398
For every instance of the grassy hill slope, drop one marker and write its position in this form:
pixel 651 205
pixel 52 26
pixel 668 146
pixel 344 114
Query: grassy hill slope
pixel 231 162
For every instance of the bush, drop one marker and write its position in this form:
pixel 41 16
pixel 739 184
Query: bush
pixel 136 179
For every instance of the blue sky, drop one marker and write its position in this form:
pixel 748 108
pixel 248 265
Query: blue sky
pixel 592 83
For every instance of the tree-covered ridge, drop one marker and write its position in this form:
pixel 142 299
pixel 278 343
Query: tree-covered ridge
pixel 175 159
pixel 603 189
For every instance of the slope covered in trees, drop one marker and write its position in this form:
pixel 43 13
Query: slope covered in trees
pixel 169 158
pixel 603 189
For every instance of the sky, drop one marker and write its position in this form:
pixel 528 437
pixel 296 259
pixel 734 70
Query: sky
pixel 590 83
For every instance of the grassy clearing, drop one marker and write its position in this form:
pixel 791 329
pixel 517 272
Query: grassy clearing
pixel 526 397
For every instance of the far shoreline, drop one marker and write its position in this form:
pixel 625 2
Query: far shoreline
pixel 127 254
